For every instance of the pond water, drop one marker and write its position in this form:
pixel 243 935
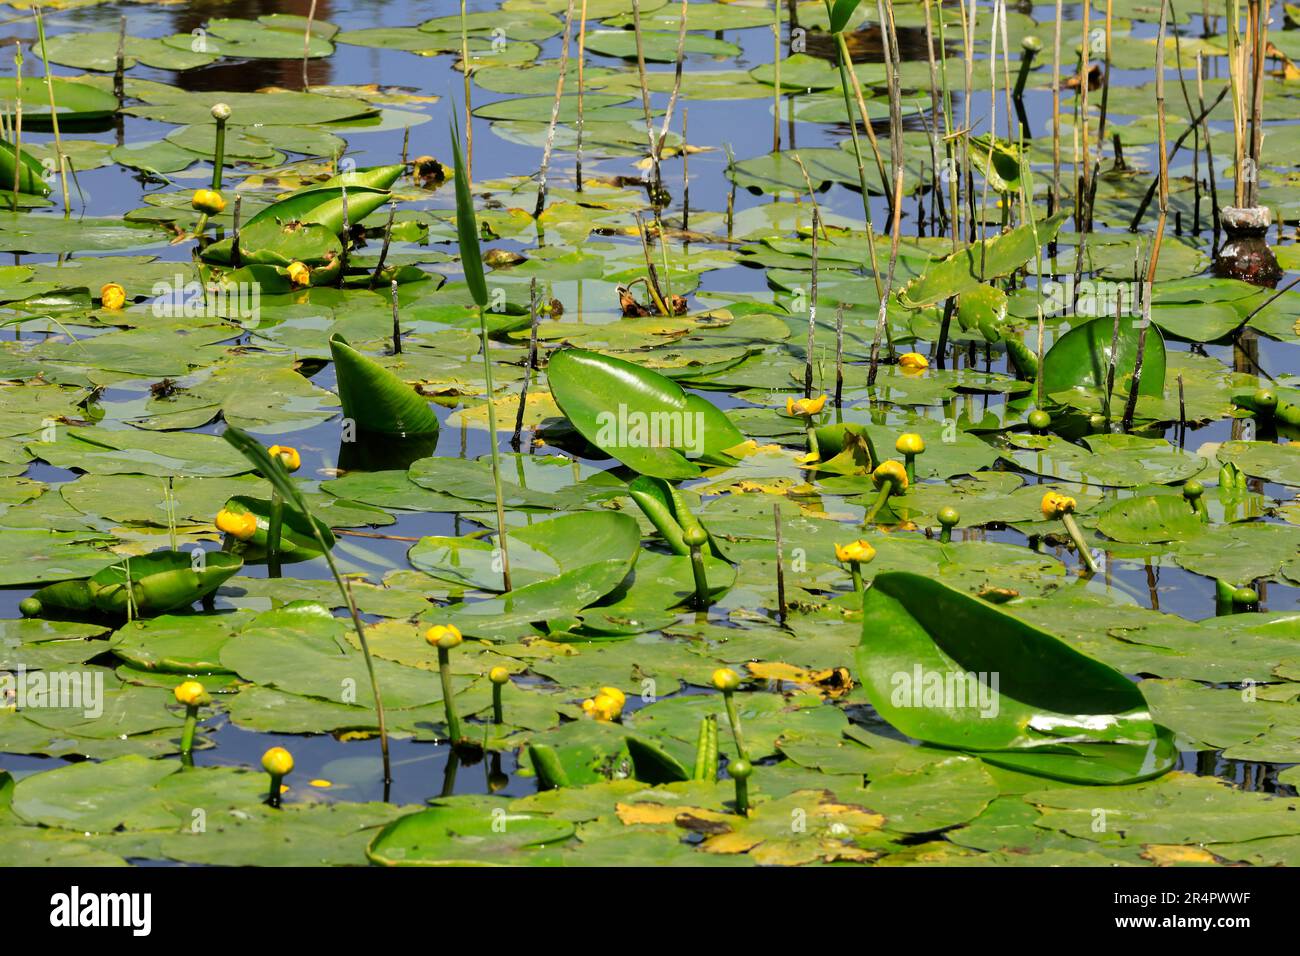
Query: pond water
pixel 507 152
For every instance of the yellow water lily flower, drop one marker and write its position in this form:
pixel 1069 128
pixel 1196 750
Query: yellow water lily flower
pixel 890 471
pixel 498 675
pixel 804 406
pixel 909 443
pixel 1055 505
pixel 288 456
pixel 606 705
pixel 112 295
pixel 913 361
pixel 191 693
pixel 860 551
pixel 277 761
pixel 445 636
pixel 237 524
pixel 299 274
pixel 208 201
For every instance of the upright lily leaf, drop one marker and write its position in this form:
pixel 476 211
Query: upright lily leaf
pixel 840 11
pixel 471 257
pixel 1081 357
pixel 953 670
pixel 638 416
pixel 978 263
pixel 376 399
pixel 31 175
pixel 998 161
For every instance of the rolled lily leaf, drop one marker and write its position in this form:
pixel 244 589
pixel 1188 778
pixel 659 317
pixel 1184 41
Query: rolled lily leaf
pixel 980 262
pixel 663 505
pixel 846 449
pixel 296 540
pixel 376 399
pixel 279 244
pixel 653 765
pixel 160 582
pixel 1081 357
pixel 323 205
pixel 638 416
pixel 31 175
pixel 955 671
pixel 372 177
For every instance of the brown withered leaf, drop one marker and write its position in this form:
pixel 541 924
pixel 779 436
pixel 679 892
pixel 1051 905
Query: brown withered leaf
pixel 632 309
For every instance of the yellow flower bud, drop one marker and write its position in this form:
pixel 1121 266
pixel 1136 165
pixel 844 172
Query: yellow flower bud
pixel 724 678
pixel 237 524
pixel 913 361
pixel 288 456
pixel 804 406
pixel 208 201
pixel 299 274
pixel 277 761
pixel 498 675
pixel 191 693
pixel 112 295
pixel 909 443
pixel 890 471
pixel 1055 505
pixel 445 636
pixel 860 551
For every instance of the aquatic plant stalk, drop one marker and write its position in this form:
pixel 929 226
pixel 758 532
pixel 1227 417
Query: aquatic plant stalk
pixel 1154 259
pixel 274 471
pixel 54 115
pixel 1055 197
pixel 780 565
pixel 306 47
pixel 679 62
pixel 839 356
pixel 448 705
pixel 776 75
pixel 472 264
pixel 535 315
pixel 555 113
pixel 812 316
pixel 397 324
pixel 645 100
pixel 468 90
pixel 18 117
pixel 119 66
pixel 379 266
pixel 1080 545
pixel 582 79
